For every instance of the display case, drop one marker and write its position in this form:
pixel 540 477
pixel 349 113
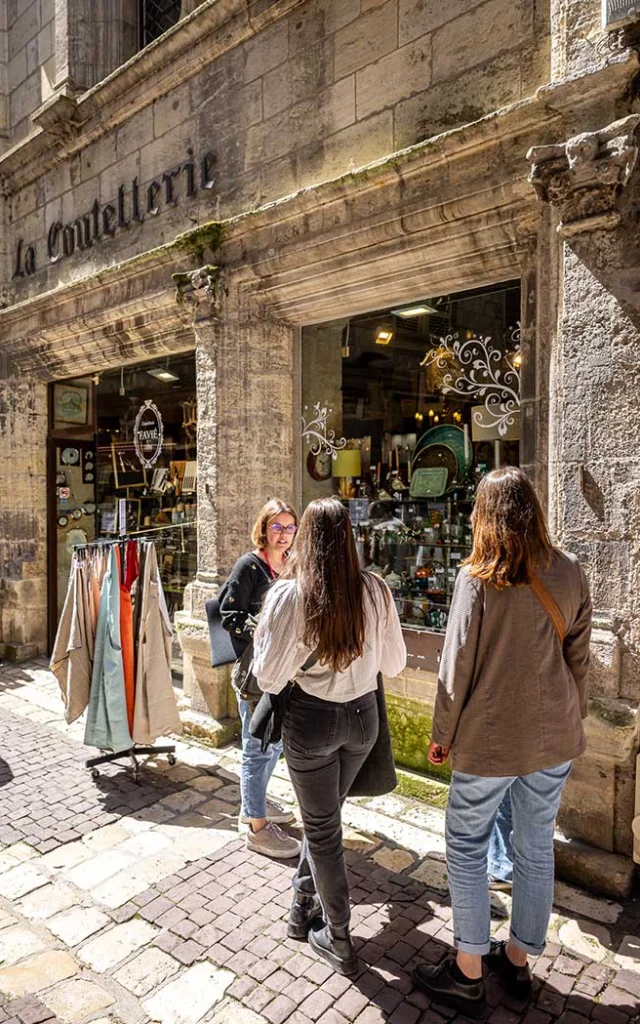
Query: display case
pixel 417 546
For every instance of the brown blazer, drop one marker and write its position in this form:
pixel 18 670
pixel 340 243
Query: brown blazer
pixel 510 698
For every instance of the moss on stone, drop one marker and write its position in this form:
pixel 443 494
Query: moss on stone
pixel 613 713
pixel 198 240
pixel 411 725
pixel 420 787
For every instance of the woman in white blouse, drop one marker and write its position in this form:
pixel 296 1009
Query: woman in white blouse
pixel 325 606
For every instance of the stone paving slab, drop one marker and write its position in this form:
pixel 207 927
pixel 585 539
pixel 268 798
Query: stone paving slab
pixel 142 903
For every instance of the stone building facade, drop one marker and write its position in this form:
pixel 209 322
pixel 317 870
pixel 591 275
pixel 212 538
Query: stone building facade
pixel 267 165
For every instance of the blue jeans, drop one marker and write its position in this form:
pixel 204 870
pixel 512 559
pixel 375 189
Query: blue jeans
pixel 257 767
pixel 471 814
pixel 500 847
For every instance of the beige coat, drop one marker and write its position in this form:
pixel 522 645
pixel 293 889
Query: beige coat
pixel 73 649
pixel 156 712
pixel 510 698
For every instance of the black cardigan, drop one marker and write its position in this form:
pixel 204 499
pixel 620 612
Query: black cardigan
pixel 241 598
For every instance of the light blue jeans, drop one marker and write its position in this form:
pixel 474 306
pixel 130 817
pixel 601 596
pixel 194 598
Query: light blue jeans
pixel 471 814
pixel 257 768
pixel 500 848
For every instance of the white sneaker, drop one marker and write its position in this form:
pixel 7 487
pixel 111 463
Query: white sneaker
pixel 274 813
pixel 272 842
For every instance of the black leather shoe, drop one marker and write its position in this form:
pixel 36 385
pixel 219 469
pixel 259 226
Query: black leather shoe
pixel 518 981
pixel 439 983
pixel 303 910
pixel 338 952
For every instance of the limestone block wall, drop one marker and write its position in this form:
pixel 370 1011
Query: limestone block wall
pixel 595 495
pixel 325 89
pixel 23 447
pixel 30 26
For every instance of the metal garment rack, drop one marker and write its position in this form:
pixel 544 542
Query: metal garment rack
pixel 134 752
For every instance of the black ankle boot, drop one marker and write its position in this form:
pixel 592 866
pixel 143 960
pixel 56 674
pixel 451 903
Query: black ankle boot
pixel 303 910
pixel 444 984
pixel 334 947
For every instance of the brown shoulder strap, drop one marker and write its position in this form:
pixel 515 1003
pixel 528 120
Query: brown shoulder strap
pixel 550 606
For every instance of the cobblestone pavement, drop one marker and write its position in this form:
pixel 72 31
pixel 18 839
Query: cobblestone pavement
pixel 127 903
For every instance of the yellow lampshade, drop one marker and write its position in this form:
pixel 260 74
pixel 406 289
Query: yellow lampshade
pixel 347 462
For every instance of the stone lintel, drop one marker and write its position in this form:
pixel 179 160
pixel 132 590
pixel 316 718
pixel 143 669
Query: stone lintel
pixel 584 176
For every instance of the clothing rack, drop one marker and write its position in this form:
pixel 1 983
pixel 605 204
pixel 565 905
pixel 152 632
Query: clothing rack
pixel 136 751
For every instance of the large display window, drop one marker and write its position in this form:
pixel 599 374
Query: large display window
pixel 123 463
pixel 404 410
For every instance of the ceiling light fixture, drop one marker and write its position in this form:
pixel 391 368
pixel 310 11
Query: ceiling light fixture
pixel 420 309
pixel 161 374
pixel 383 336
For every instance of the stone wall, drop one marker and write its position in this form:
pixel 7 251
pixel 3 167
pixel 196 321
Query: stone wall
pixel 23 514
pixel 30 53
pixel 332 86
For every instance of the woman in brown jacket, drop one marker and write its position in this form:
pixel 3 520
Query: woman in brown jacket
pixel 512 693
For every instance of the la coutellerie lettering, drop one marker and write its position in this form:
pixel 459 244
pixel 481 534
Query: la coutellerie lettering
pixel 133 205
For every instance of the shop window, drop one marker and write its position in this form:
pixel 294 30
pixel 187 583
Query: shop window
pixel 156 17
pixel 123 454
pixel 404 410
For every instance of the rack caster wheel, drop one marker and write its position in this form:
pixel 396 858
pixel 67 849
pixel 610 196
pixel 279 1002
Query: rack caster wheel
pixel 171 758
pixel 95 774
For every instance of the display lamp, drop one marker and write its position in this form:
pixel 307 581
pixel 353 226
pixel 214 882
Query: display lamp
pixel 346 465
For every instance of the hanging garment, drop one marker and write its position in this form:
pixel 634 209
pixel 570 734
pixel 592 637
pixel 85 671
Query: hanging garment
pixel 126 641
pixel 96 576
pixel 107 725
pixel 156 713
pixel 71 657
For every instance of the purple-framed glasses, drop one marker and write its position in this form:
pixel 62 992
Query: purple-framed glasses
pixel 278 528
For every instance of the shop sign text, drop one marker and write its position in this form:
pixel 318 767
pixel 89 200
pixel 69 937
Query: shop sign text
pixel 133 205
pixel 148 434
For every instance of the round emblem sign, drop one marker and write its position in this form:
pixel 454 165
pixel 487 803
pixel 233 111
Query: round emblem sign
pixel 148 433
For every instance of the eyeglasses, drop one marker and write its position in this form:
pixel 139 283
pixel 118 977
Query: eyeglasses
pixel 279 528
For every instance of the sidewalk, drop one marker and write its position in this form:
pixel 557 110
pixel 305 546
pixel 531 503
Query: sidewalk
pixel 130 903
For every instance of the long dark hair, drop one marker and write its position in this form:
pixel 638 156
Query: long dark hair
pixel 324 561
pixel 510 535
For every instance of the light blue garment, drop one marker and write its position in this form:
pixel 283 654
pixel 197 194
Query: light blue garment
pixel 471 813
pixel 257 767
pixel 107 723
pixel 500 848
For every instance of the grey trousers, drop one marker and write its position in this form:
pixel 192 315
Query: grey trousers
pixel 325 745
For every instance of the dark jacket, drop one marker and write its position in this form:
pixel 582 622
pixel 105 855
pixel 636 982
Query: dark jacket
pixel 241 598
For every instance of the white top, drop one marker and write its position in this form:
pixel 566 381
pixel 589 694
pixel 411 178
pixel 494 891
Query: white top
pixel 279 654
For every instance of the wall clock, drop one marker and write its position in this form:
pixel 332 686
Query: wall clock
pixel 319 466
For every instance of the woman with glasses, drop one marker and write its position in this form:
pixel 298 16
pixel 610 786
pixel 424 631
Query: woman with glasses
pixel 240 603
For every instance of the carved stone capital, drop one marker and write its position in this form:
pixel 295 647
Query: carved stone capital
pixel 203 289
pixel 584 176
pixel 59 116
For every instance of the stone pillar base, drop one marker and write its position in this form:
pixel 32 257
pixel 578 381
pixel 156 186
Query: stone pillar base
pixel 595 870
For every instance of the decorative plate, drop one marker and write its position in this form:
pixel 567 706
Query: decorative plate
pixel 89 508
pixel 74 538
pixel 77 513
pixel 452 436
pixel 88 478
pixel 441 456
pixel 62 521
pixel 70 456
pixel 429 482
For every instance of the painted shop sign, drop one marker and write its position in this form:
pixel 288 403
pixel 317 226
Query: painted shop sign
pixel 133 205
pixel 148 434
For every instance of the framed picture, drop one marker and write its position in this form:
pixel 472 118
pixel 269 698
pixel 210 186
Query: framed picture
pixel 71 404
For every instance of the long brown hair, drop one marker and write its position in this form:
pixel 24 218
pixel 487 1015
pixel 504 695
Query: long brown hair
pixel 510 535
pixel 274 507
pixel 325 563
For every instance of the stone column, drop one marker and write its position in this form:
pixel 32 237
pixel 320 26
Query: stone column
pixel 23 514
pixel 245 389
pixel 595 454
